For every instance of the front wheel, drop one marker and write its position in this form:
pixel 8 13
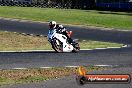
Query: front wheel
pixel 57 45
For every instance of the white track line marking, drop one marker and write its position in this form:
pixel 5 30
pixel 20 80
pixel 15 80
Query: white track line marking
pixel 41 35
pixel 5 31
pixel 106 65
pixel 103 65
pixel 71 66
pixel 15 32
pixel 27 51
pixel 84 40
pixel 22 21
pixel 36 50
pixel 86 49
pixel 46 67
pixel 23 33
pixel 7 18
pixel 14 19
pixel 19 68
pixel 113 47
pixel 100 48
pixel 9 51
pixel 53 50
pixel 31 34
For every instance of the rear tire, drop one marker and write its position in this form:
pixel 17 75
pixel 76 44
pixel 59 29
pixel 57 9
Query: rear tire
pixel 76 48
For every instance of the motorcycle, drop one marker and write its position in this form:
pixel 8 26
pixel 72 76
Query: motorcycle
pixel 60 42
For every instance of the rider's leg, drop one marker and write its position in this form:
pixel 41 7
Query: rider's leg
pixel 70 40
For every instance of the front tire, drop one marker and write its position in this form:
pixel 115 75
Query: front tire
pixel 57 45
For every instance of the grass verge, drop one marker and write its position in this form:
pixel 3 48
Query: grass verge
pixel 32 75
pixel 17 42
pixel 121 20
pixel 10 77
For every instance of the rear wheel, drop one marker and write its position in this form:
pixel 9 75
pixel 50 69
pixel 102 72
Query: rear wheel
pixel 76 48
pixel 57 45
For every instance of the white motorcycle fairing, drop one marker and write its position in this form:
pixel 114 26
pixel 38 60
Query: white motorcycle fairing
pixel 66 46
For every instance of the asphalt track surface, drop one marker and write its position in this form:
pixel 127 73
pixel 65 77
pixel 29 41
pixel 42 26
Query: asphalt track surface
pixel 121 57
pixel 115 57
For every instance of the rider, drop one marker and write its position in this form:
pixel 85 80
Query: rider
pixel 60 29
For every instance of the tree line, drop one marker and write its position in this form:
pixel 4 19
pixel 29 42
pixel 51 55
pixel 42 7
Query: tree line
pixel 74 4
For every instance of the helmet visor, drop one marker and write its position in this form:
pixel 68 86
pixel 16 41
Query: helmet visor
pixel 51 25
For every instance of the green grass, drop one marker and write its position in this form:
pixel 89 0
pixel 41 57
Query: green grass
pixel 17 42
pixel 9 77
pixel 89 44
pixel 6 81
pixel 121 20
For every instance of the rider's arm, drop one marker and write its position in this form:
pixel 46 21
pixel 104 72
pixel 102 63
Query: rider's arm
pixel 64 29
pixel 61 30
pixel 49 35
